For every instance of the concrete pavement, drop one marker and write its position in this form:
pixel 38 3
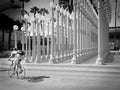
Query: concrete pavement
pixel 104 78
pixel 47 81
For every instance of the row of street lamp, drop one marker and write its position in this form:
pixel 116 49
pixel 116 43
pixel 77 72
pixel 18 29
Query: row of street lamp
pixel 38 17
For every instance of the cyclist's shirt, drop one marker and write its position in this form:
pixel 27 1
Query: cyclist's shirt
pixel 20 55
pixel 17 55
pixel 20 52
pixel 13 53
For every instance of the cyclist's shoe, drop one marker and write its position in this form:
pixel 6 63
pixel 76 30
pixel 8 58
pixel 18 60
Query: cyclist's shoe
pixel 20 71
pixel 12 74
pixel 9 59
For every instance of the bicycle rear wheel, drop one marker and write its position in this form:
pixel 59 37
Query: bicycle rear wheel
pixel 22 74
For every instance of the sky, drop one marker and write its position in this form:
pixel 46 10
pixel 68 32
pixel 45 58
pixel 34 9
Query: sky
pixel 46 4
pixel 39 4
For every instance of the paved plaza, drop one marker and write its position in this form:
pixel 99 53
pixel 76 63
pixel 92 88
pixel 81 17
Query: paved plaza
pixel 55 80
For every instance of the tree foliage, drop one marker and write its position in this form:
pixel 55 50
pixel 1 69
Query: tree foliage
pixel 34 10
pixel 66 4
pixel 6 23
pixel 23 2
pixel 43 11
pixel 23 12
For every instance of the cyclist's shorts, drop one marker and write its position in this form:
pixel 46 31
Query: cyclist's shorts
pixel 19 57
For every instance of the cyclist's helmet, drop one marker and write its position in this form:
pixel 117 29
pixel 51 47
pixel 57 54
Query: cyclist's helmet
pixel 15 49
pixel 21 52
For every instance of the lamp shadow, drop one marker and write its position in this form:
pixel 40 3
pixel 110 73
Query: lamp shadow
pixel 35 79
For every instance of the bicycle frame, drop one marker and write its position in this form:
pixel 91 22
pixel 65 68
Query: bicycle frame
pixel 14 70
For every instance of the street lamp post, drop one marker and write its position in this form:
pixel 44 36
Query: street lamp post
pixel 115 37
pixel 15 27
pixel 23 30
pixel 61 34
pixel 52 4
pixel 74 58
pixel 38 57
pixel 26 30
pixel 58 40
pixel 43 37
pixel 48 49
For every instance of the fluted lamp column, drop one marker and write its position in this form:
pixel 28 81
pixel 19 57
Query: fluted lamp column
pixel 52 5
pixel 74 59
pixel 61 34
pixel 43 37
pixel 23 30
pixel 26 30
pixel 38 16
pixel 15 27
pixel 58 40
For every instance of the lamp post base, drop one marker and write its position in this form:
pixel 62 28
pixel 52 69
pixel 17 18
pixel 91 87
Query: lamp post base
pixel 99 61
pixel 51 60
pixel 74 60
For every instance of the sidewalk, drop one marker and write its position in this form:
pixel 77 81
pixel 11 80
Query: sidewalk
pixel 114 59
pixel 56 80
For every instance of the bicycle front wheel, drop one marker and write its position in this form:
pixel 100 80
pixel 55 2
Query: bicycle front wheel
pixel 11 72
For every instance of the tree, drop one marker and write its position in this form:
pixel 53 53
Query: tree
pixel 34 10
pixel 23 12
pixel 66 4
pixel 7 26
pixel 43 11
pixel 23 3
pixel 94 3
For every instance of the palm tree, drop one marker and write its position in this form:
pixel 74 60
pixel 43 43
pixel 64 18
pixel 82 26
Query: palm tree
pixel 34 10
pixel 43 11
pixel 23 3
pixel 23 12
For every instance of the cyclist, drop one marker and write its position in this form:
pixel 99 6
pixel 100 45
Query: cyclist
pixel 18 56
pixel 13 53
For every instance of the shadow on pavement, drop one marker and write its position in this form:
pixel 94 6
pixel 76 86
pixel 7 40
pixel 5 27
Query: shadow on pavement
pixel 35 79
pixel 4 69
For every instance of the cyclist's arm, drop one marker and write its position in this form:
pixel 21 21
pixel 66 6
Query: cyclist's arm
pixel 11 56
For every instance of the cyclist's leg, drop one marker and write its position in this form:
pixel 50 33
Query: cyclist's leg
pixel 20 66
pixel 19 63
pixel 15 64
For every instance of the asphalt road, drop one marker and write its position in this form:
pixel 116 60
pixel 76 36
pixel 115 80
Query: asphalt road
pixel 37 80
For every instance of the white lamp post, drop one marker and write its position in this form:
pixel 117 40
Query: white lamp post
pixel 74 59
pixel 48 49
pixel 26 17
pixel 61 35
pixel 38 37
pixel 43 37
pixel 58 39
pixel 23 30
pixel 65 33
pixel 15 27
pixel 33 38
pixel 52 5
pixel 68 32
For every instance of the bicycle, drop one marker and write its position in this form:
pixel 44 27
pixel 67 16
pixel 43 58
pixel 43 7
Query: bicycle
pixel 15 71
